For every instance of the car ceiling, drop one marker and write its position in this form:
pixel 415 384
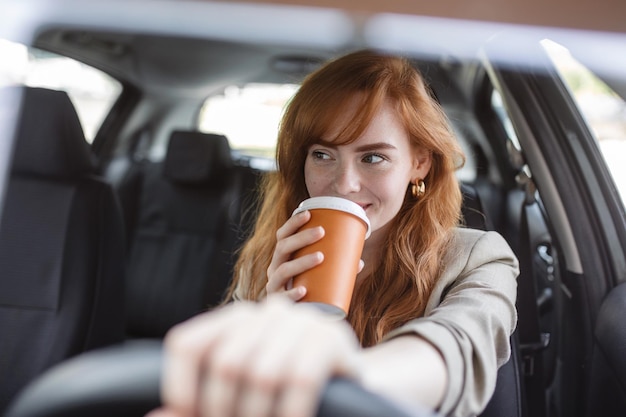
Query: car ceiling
pixel 180 65
pixel 192 46
pixel 262 32
pixel 197 47
pixel 175 66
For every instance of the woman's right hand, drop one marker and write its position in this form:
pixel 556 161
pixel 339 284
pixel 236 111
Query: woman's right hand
pixel 283 268
pixel 270 358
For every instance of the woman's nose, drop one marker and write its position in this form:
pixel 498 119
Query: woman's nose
pixel 346 180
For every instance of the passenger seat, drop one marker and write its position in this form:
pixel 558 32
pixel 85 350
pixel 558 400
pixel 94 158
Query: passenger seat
pixel 184 216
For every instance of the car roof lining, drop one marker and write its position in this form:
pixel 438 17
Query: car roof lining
pixel 178 65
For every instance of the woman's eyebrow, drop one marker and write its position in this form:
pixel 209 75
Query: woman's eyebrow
pixel 375 146
pixel 363 148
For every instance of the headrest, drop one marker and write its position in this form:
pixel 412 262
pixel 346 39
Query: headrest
pixel 195 157
pixel 50 139
pixel 473 212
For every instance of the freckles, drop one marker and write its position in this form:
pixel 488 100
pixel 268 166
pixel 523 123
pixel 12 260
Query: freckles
pixel 313 186
pixel 318 178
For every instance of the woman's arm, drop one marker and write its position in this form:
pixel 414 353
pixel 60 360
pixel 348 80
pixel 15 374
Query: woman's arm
pixel 406 369
pixel 469 318
pixel 274 358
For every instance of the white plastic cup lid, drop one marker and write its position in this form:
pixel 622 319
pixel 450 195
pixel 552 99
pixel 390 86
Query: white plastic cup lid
pixel 335 203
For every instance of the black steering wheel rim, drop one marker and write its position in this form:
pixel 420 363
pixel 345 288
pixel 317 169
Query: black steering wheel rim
pixel 123 381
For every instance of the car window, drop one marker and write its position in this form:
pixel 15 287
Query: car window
pixel 603 109
pixel 248 116
pixel 92 91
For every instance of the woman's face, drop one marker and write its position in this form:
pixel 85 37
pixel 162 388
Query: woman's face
pixel 374 171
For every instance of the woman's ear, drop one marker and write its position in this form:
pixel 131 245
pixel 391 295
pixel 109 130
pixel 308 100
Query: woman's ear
pixel 421 163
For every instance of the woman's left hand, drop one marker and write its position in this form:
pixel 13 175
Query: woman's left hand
pixel 254 359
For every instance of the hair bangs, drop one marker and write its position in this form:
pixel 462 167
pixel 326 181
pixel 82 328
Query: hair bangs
pixel 350 119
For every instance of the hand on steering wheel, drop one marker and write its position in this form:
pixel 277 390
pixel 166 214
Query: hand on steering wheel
pixel 123 381
pixel 254 359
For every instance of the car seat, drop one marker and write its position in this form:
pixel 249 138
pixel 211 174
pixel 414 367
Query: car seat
pixel 61 246
pixel 184 215
pixel 606 387
pixel 507 399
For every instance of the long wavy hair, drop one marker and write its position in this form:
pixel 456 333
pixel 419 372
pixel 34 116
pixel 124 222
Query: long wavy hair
pixel 398 289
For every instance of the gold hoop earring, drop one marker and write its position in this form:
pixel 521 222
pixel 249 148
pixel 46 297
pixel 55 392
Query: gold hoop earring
pixel 418 188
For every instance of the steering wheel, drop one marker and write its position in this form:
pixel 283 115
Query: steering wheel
pixel 123 381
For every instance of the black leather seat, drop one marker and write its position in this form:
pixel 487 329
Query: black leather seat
pixel 607 379
pixel 473 212
pixel 185 219
pixel 507 400
pixel 508 397
pixel 61 247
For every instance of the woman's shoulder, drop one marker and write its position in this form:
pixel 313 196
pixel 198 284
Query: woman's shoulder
pixel 465 237
pixel 472 247
pixel 467 234
pixel 476 258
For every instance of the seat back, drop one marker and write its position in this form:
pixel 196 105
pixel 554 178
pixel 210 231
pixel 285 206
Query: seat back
pixel 472 211
pixel 61 246
pixel 184 215
pixel 507 399
pixel 606 387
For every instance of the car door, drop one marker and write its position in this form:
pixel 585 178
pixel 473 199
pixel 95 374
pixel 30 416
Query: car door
pixel 577 257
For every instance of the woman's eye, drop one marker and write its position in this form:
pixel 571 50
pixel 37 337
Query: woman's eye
pixel 373 158
pixel 320 155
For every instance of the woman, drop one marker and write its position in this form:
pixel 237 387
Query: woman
pixel 434 303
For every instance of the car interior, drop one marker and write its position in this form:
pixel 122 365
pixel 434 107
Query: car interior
pixel 117 240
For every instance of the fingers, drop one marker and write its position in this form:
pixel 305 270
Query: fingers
pixel 295 294
pixel 282 268
pixel 268 373
pixel 312 364
pixel 292 225
pixel 279 276
pixel 187 345
pixel 229 363
pixel 324 349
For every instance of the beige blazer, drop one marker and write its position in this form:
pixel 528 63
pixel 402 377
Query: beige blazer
pixel 470 316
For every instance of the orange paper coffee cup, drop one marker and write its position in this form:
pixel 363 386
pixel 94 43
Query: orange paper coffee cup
pixel 330 284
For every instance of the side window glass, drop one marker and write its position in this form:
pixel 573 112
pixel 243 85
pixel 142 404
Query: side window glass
pixel 603 109
pixel 92 91
pixel 248 116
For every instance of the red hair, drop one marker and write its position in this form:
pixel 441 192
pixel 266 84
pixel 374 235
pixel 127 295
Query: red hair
pixel 397 291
